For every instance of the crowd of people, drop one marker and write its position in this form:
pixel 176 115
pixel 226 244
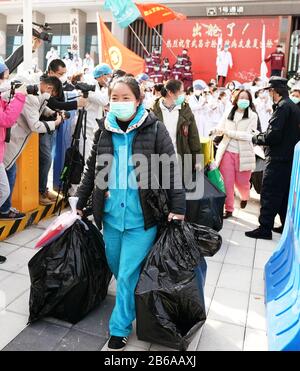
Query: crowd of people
pixel 162 111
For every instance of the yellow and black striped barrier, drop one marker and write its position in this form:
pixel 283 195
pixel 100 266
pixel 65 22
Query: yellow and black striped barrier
pixel 10 227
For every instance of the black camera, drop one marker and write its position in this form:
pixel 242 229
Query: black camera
pixel 31 89
pixel 40 31
pixel 85 88
pixel 64 114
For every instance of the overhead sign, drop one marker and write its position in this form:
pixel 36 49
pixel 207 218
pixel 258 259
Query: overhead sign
pixel 225 10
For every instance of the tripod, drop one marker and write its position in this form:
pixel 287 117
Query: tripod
pixel 74 160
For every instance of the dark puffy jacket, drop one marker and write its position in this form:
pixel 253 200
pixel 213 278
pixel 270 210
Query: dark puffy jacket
pixel 150 138
pixel 283 132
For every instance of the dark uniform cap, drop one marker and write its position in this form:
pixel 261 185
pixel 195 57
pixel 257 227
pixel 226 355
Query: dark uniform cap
pixel 277 82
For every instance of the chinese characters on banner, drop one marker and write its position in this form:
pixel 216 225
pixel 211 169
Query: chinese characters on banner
pixel 244 36
pixel 75 33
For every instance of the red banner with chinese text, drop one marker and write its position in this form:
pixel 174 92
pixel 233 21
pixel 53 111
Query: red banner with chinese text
pixel 201 37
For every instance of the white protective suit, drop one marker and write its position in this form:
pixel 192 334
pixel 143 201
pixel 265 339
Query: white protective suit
pixel 264 110
pixel 97 100
pixel 224 61
pixel 200 110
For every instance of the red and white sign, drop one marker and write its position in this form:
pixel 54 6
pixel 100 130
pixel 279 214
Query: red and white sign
pixel 201 36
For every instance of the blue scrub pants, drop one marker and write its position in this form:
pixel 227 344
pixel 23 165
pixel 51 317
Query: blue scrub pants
pixel 125 252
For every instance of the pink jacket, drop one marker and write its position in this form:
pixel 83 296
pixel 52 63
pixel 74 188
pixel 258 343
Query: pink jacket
pixel 8 117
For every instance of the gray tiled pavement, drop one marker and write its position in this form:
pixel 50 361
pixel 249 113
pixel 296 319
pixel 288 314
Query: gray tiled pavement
pixel 234 298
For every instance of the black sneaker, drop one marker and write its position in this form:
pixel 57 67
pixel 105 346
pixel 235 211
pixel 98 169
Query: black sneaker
pixel 259 234
pixel 117 343
pixel 2 259
pixel 13 214
pixel 243 204
pixel 228 214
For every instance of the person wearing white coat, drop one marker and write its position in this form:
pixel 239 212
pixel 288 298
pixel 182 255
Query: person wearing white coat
pixel 235 155
pixel 224 61
pixel 264 108
pixel 198 103
pixel 96 102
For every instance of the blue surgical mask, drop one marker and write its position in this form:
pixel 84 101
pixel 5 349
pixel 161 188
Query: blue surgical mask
pixel 296 100
pixel 243 104
pixel 122 110
pixel 180 100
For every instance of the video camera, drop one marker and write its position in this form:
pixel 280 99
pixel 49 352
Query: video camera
pixel 31 89
pixel 85 88
pixel 40 31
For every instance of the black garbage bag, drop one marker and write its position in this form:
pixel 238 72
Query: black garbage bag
pixel 169 297
pixel 205 204
pixel 70 276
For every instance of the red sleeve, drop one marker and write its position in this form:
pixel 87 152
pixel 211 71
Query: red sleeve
pixel 268 58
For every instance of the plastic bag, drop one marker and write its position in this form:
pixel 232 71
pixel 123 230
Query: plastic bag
pixel 215 177
pixel 61 224
pixel 207 150
pixel 207 207
pixel 70 276
pixel 170 302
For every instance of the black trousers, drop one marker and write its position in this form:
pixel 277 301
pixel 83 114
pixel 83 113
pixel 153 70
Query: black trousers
pixel 276 73
pixel 275 193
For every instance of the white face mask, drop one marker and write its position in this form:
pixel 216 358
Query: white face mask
pixel 4 86
pixel 63 79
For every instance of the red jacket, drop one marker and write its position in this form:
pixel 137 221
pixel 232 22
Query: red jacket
pixel 157 77
pixel 187 79
pixel 176 74
pixel 277 61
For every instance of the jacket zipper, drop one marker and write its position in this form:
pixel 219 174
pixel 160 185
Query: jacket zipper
pixel 140 191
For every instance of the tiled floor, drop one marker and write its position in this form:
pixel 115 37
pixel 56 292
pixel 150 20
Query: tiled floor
pixel 234 297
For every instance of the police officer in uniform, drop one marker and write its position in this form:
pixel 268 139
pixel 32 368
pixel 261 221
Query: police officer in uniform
pixel 282 135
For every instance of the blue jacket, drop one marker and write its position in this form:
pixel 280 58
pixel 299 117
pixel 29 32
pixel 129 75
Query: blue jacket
pixel 122 208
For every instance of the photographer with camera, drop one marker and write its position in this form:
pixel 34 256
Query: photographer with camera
pixel 40 33
pixel 97 99
pixel 57 102
pixel 28 122
pixel 57 68
pixel 9 112
pixel 17 57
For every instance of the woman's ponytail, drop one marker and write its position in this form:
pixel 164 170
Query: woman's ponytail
pixel 164 92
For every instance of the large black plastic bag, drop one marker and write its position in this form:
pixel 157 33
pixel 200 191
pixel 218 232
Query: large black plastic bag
pixel 70 276
pixel 169 297
pixel 207 208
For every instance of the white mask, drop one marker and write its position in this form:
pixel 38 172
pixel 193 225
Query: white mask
pixel 63 79
pixel 4 86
